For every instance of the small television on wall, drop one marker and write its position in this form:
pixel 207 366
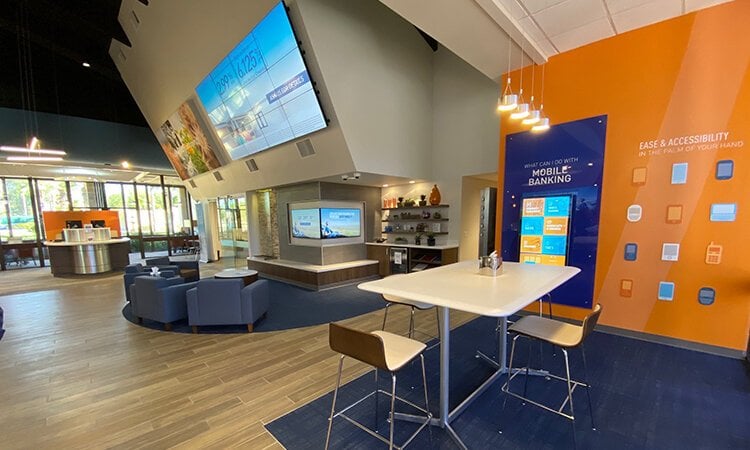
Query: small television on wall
pixel 260 95
pixel 339 223
pixel 73 224
pixel 545 229
pixel 325 223
pixel 98 223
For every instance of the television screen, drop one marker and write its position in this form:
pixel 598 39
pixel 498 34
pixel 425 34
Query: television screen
pixel 340 223
pixel 545 227
pixel 260 95
pixel 98 223
pixel 305 223
pixel 73 224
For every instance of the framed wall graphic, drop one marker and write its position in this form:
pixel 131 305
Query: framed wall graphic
pixel 186 143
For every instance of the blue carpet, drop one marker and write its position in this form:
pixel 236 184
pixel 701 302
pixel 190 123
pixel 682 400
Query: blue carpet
pixel 644 395
pixel 291 307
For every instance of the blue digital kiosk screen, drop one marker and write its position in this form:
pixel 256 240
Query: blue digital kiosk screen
pixel 545 227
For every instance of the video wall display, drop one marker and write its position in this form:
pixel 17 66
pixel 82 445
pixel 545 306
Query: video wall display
pixel 545 227
pixel 186 144
pixel 260 95
pixel 325 223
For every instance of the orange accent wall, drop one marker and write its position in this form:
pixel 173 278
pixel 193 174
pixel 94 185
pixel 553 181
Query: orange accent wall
pixel 54 221
pixel 683 77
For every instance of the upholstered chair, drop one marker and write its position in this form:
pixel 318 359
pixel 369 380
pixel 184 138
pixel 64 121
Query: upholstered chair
pixel 227 302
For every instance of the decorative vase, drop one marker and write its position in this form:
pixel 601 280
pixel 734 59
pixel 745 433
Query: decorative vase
pixel 417 240
pixel 431 241
pixel 435 195
pixel 422 200
pixel 400 203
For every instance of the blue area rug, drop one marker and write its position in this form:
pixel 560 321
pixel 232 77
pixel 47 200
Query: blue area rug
pixel 291 307
pixel 644 395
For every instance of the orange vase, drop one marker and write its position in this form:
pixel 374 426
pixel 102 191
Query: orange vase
pixel 435 195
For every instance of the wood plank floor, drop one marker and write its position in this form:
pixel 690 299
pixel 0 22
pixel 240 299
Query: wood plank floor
pixel 75 374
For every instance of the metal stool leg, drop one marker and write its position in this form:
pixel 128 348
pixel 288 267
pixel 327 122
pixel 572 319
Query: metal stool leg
pixel 426 399
pixel 528 364
pixel 393 409
pixel 570 397
pixel 385 315
pixel 377 389
pixel 510 370
pixel 333 405
pixel 586 380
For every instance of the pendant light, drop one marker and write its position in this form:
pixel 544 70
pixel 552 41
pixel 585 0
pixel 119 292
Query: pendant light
pixel 534 114
pixel 522 110
pixel 543 123
pixel 508 101
pixel 33 152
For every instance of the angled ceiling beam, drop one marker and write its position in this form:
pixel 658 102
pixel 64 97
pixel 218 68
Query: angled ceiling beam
pixel 505 21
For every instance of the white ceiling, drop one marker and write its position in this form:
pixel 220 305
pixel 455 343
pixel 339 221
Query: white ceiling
pixel 478 30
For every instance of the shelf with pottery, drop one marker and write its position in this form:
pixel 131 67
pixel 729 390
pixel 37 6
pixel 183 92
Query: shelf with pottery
pixel 415 207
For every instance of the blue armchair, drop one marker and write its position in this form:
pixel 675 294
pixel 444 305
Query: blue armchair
pixel 159 299
pixel 136 270
pixel 189 270
pixel 227 302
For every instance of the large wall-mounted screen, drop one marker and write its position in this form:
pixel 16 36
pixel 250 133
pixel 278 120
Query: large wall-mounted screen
pixel 336 223
pixel 261 95
pixel 545 227
pixel 305 223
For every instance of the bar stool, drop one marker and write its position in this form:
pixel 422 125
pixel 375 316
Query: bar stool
pixel 382 350
pixel 414 305
pixel 560 334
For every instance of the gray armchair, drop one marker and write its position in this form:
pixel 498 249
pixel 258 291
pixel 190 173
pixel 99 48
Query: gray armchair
pixel 189 270
pixel 159 299
pixel 136 270
pixel 227 302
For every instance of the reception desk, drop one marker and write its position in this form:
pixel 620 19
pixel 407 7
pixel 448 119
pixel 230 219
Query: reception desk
pixel 88 257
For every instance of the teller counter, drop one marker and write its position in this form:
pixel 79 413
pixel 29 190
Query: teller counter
pixel 90 257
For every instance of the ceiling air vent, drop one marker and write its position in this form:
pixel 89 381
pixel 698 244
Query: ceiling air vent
pixel 192 184
pixel 218 176
pixel 305 148
pixel 251 165
pixel 134 18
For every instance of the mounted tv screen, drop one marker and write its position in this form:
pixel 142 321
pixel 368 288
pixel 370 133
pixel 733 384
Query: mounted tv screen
pixel 260 95
pixel 340 223
pixel 305 223
pixel 545 227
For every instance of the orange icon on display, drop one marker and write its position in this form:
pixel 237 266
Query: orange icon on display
pixel 713 253
pixel 531 244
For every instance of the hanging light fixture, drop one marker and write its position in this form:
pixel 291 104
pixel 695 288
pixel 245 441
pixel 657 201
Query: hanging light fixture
pixel 543 123
pixel 28 101
pixel 522 110
pixel 508 101
pixel 534 114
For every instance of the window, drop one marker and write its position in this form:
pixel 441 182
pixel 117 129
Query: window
pixel 83 195
pixel 21 220
pixel 53 195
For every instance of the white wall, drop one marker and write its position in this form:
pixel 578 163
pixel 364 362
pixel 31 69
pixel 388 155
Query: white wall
pixel 378 73
pixel 465 129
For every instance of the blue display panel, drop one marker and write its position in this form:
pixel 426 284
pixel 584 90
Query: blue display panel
pixel 564 164
pixel 340 223
pixel 305 223
pixel 260 95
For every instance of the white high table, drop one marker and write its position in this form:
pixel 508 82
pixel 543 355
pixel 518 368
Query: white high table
pixel 460 286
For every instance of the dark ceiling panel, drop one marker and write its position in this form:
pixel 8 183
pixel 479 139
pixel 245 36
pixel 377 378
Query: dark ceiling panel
pixel 57 37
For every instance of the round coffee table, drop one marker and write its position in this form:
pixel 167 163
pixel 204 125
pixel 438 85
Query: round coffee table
pixel 247 275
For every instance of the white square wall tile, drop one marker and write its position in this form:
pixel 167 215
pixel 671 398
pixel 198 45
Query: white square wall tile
pixel 646 14
pixel 569 15
pixel 586 34
pixel 512 7
pixel 534 6
pixel 616 6
pixel 694 5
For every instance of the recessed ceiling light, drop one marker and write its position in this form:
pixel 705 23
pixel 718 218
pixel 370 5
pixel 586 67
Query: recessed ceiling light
pixel 385 185
pixel 412 182
pixel 125 164
pixel 85 64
